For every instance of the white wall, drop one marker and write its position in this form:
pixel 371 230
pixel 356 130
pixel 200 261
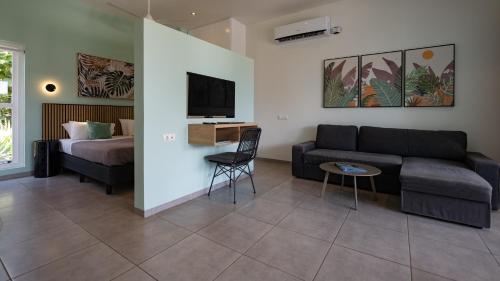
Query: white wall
pixel 166 172
pixel 229 34
pixel 288 78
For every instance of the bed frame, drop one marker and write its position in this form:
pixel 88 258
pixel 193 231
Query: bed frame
pixel 54 115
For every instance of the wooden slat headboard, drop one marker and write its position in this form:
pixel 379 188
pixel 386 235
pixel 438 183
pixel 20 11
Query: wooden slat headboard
pixel 54 115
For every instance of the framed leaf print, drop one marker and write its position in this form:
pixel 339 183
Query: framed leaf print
pixel 381 80
pixel 341 82
pixel 104 78
pixel 430 76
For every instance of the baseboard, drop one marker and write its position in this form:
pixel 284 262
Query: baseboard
pixel 16 176
pixel 184 199
pixel 273 160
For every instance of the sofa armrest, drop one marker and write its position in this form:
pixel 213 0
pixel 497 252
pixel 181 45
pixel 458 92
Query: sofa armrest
pixel 487 169
pixel 297 157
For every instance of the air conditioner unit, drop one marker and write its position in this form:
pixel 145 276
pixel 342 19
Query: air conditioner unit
pixel 304 29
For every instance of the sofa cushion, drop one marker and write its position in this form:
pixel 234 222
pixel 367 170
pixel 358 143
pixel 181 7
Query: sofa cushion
pixel 449 145
pixel 443 177
pixel 389 164
pixel 337 137
pixel 383 140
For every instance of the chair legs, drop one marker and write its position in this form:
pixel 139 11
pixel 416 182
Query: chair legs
pixel 251 178
pixel 234 185
pixel 230 171
pixel 213 177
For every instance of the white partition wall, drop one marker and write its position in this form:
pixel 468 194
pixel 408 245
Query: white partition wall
pixel 169 172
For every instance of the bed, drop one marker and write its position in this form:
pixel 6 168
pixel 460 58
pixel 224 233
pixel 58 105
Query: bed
pixel 109 161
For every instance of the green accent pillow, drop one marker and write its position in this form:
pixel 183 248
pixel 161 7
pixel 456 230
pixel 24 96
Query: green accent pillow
pixel 98 130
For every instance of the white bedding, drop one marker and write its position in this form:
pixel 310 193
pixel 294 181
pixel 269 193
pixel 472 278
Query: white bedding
pixel 66 144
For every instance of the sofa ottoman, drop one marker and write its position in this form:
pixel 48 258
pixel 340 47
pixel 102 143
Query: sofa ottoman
pixel 445 189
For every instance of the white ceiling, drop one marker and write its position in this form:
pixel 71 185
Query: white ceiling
pixel 177 13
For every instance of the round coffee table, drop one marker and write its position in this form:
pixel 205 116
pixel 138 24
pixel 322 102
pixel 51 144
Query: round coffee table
pixel 371 171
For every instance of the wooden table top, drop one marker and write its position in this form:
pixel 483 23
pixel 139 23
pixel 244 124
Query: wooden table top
pixel 331 168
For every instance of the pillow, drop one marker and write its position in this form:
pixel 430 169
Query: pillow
pixel 127 126
pixel 97 130
pixel 78 130
pixel 67 128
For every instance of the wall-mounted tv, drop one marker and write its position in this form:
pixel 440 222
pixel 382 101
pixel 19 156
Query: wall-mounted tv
pixel 210 97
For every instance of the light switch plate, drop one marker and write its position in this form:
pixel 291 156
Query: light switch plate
pixel 169 137
pixel 282 117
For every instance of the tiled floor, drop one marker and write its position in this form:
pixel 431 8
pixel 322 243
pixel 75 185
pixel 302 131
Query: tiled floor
pixel 60 229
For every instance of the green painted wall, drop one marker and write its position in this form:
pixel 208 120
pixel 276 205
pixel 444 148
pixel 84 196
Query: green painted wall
pixel 53 31
pixel 173 170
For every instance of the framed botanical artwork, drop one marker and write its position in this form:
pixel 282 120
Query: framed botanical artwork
pixel 104 78
pixel 382 80
pixel 430 76
pixel 341 82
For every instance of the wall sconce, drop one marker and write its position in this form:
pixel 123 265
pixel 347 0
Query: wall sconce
pixel 49 88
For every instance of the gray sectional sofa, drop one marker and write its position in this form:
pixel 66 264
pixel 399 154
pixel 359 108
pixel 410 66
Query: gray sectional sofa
pixel 431 170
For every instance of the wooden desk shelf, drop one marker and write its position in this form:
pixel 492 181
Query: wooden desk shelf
pixel 217 134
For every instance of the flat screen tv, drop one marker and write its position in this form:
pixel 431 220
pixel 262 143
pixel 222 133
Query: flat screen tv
pixel 210 97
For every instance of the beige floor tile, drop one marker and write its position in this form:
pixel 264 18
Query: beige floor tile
pixel 3 274
pixel 195 214
pixel 380 215
pixel 25 256
pixel 16 198
pixel 492 239
pixel 11 186
pixel 113 224
pixel 458 235
pixel 314 224
pixel 19 230
pixel 193 259
pixel 380 242
pixel 26 212
pixel 264 210
pixel 285 195
pixel 98 262
pixel 291 252
pixel 345 264
pixel 419 275
pixel 91 209
pixel 236 231
pixel 135 274
pixel 325 206
pixel 246 269
pixel 451 261
pixel 144 241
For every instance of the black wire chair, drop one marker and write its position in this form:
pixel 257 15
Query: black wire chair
pixel 230 162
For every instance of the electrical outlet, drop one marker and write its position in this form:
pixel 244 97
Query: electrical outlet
pixel 169 137
pixel 282 117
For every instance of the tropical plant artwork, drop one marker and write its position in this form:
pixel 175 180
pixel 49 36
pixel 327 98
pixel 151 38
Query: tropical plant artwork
pixel 430 77
pixel 104 78
pixel 341 82
pixel 381 80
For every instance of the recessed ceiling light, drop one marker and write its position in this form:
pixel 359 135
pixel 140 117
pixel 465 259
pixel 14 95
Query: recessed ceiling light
pixel 193 13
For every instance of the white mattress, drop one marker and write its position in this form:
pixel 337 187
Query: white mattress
pixel 66 144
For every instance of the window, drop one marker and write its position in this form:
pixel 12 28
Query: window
pixel 11 106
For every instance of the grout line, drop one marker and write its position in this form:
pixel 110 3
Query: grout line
pixel 5 269
pixel 487 247
pixel 272 266
pixel 331 245
pixel 409 246
pixel 145 272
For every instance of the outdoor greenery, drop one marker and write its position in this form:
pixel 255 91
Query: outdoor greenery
pixel 6 113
